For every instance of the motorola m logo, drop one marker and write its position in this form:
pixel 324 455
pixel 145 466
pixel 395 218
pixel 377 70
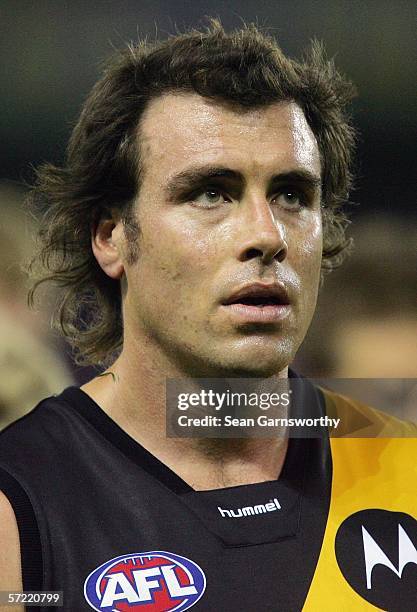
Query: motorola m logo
pixel 271 506
pixel 374 555
pixel 376 551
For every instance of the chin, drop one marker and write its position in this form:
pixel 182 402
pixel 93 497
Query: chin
pixel 259 363
pixel 248 358
pixel 246 370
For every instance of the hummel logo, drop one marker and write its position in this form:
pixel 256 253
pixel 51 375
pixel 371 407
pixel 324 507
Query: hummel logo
pixel 271 506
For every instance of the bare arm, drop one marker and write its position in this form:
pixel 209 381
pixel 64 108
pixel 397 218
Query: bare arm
pixel 10 567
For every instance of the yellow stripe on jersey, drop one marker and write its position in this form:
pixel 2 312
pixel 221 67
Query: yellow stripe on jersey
pixel 368 473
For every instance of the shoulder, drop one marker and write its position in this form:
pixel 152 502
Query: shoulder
pixel 47 415
pixel 10 567
pixel 29 449
pixel 360 420
pixel 34 444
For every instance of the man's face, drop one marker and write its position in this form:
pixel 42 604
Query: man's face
pixel 230 236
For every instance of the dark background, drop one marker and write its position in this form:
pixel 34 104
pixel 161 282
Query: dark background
pixel 51 52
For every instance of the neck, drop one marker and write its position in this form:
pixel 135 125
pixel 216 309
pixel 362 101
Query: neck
pixel 133 393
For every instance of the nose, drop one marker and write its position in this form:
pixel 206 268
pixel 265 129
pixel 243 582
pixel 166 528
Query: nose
pixel 264 236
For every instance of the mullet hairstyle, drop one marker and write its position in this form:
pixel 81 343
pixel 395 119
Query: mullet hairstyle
pixel 102 169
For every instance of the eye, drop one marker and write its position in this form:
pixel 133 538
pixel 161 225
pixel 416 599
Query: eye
pixel 210 198
pixel 290 199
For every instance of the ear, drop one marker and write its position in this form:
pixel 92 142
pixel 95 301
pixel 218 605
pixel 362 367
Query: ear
pixel 106 242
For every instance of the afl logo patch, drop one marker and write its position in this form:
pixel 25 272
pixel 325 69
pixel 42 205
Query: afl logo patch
pixel 376 551
pixel 145 582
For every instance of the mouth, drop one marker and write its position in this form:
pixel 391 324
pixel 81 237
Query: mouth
pixel 259 303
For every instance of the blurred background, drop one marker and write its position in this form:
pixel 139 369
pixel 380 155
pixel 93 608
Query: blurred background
pixel 51 52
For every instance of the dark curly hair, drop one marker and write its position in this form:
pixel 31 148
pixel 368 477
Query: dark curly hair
pixel 102 169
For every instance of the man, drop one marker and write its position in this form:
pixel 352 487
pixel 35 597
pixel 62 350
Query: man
pixel 189 226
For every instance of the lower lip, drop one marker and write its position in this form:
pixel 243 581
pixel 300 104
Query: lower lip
pixel 259 314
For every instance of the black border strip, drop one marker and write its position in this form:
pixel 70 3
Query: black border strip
pixel 29 536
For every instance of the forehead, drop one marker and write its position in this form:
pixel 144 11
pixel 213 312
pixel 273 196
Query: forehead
pixel 179 130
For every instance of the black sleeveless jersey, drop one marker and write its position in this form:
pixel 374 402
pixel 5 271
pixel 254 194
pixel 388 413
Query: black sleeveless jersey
pixel 107 523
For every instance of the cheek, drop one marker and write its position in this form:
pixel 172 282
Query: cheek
pixel 175 259
pixel 313 249
pixel 309 259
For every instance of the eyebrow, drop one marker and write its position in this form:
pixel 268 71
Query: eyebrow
pixel 194 177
